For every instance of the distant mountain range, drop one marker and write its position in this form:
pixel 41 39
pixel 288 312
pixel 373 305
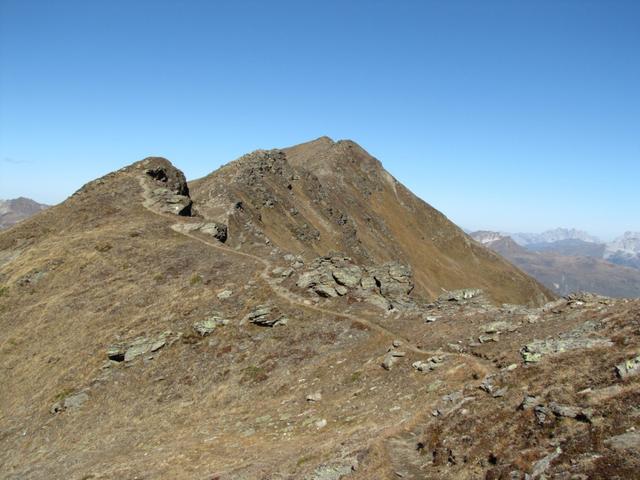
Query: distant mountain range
pixel 17 209
pixel 567 260
pixel 555 235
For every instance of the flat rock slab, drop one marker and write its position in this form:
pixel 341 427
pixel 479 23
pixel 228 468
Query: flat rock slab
pixel 626 441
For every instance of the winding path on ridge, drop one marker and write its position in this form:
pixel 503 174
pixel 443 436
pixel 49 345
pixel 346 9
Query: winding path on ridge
pixel 296 300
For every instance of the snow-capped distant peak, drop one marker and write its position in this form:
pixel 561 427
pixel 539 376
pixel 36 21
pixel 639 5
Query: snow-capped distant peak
pixel 628 244
pixel 487 237
pixel 555 235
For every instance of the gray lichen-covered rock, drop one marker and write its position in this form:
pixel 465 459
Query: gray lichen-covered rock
pixel 629 368
pixel 214 229
pixel 460 295
pixel 629 441
pixel 73 401
pixel 393 279
pixel 207 326
pixel 348 276
pixel 534 351
pixel 331 472
pixel 140 346
pixel 143 346
pixel 223 295
pixel 385 286
pixel 431 364
pixel 267 316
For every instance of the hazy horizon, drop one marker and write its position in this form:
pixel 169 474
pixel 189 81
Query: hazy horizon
pixel 507 116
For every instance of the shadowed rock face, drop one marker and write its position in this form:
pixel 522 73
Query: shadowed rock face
pixel 161 170
pixel 324 196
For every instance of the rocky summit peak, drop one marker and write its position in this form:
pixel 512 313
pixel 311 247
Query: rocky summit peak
pixel 324 196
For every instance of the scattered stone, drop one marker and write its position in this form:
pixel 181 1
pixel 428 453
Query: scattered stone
pixel 541 413
pixel 225 294
pixel 341 290
pixel 116 352
pixel 529 402
pixel 534 351
pixel 397 343
pixel 583 415
pixel 487 384
pixel 207 326
pixel 460 295
pixel 126 352
pixel 332 472
pixel 314 397
pixel 216 230
pixel 142 346
pixel 431 364
pixel 498 327
pixel 73 401
pixel 543 464
pixel 624 442
pixel 321 423
pixel 259 312
pixel 430 318
pixel 602 394
pixel 630 368
pixel 488 338
pixel 388 361
pixel 501 392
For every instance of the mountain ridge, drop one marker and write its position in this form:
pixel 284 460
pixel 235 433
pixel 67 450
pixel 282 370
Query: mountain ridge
pixel 155 328
pixel 324 196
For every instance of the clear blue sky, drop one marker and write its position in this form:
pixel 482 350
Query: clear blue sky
pixel 509 115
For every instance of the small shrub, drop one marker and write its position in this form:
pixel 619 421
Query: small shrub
pixel 195 279
pixel 4 291
pixel 63 394
pixel 103 247
pixel 255 374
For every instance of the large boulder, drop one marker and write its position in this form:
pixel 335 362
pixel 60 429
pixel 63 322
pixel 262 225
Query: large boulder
pixel 169 192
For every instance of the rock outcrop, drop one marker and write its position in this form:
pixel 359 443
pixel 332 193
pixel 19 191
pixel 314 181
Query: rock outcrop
pixel 333 276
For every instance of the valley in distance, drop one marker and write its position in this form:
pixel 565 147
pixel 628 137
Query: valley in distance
pixel 300 314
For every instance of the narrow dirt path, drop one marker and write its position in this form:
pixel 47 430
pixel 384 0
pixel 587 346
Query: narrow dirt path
pixel 294 299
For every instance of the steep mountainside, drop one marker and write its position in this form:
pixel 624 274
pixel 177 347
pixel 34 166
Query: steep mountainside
pixel 13 211
pixel 565 273
pixel 139 340
pixel 326 196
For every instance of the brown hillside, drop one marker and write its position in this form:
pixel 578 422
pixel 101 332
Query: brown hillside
pixel 138 342
pixel 326 196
